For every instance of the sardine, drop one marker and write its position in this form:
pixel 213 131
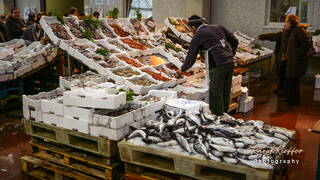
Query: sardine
pixel 244 151
pixel 137 133
pixel 254 156
pixel 280 136
pixel 195 119
pixel 217 153
pixel 239 144
pixel 223 148
pixel 151 140
pixel 183 142
pixel 259 124
pixel 246 140
pixel 254 164
pixel 201 149
pixel 221 141
pixel 230 160
pixel 213 157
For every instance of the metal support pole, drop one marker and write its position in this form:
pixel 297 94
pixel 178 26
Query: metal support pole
pixel 69 65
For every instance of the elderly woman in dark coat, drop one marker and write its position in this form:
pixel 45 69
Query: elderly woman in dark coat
pixel 293 44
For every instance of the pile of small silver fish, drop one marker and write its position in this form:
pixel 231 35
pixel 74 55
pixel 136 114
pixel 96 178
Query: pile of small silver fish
pixel 217 138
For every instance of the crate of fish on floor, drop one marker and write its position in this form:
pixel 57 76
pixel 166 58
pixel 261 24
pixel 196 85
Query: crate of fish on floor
pixel 203 146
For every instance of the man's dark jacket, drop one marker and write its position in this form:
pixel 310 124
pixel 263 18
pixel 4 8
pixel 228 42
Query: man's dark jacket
pixel 14 28
pixel 211 36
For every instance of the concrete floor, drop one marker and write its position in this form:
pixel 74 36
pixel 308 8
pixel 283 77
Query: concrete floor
pixel 13 141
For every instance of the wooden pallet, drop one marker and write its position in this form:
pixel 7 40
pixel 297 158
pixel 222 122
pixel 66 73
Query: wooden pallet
pixel 177 163
pixel 98 145
pixel 134 172
pixel 70 154
pixel 46 170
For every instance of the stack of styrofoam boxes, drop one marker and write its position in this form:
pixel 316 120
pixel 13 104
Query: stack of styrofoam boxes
pixel 156 106
pixel 236 84
pixel 116 128
pixel 52 111
pixel 32 108
pixel 75 81
pixel 246 101
pixel 316 96
pixel 81 102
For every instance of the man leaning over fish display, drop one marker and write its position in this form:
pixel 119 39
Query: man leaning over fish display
pixel 220 46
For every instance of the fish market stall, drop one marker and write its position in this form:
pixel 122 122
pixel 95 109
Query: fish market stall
pixel 202 146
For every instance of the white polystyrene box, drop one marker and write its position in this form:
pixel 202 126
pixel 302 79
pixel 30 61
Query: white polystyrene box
pixel 49 106
pixel 75 124
pixel 97 98
pixel 112 134
pixel 52 119
pixel 84 114
pixel 247 105
pixel 120 121
pixel 143 89
pixel 317 85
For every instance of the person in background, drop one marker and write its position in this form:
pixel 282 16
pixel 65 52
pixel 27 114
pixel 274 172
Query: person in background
pixel 34 32
pixel 73 13
pixel 31 19
pixel 96 14
pixel 81 16
pixel 14 25
pixel 3 33
pixel 221 46
pixel 293 45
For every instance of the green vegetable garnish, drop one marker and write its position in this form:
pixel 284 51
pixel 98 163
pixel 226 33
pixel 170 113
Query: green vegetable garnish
pixel 59 15
pixel 88 35
pixel 103 51
pixel 129 94
pixel 113 13
pixel 139 15
pixel 89 20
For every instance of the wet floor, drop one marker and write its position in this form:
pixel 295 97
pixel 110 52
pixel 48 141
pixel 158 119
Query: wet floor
pixel 13 141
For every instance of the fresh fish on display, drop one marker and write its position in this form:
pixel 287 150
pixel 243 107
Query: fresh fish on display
pixel 215 138
pixel 260 146
pixel 223 148
pixel 230 160
pixel 254 156
pixel 213 157
pixel 183 142
pixel 244 151
pixel 239 144
pixel 137 133
pixel 289 134
pixel 257 123
pixel 221 141
pixel 195 119
pixel 257 165
pixel 200 148
pixel 217 153
pixel 151 140
pixel 246 140
pixel 280 136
